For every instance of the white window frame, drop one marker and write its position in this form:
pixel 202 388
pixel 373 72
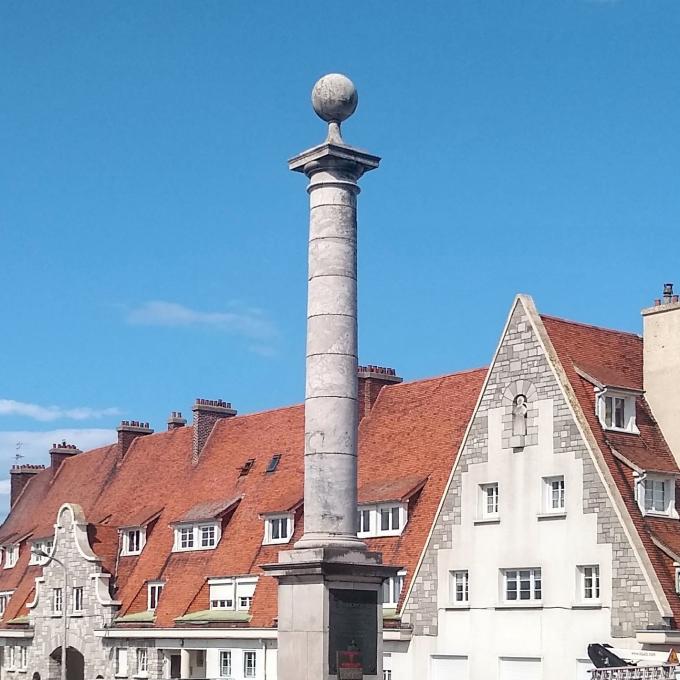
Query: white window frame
pixel 488 504
pixel 57 600
pixel 142 658
pixel 610 396
pixel 226 653
pixel 121 662
pixel 128 545
pixel 677 578
pixel 589 578
pixel 549 507
pixel 11 555
pixel 249 671
pixel 11 661
pixel 237 586
pixel 535 575
pixel 5 597
pixel 78 599
pixel 393 587
pixel 642 493
pixel 46 546
pixel 23 657
pixel 154 591
pixel 395 512
pixel 459 587
pixel 194 535
pixel 271 522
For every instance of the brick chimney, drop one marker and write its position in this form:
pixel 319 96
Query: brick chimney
pixel 20 475
pixel 661 368
pixel 371 380
pixel 128 431
pixel 59 453
pixel 206 413
pixel 175 421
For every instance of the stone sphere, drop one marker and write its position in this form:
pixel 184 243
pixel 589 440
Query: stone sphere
pixel 334 98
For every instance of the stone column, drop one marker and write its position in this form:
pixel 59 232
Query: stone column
pixel 331 410
pixel 184 663
pixel 330 586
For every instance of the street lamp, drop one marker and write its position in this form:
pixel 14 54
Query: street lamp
pixel 39 552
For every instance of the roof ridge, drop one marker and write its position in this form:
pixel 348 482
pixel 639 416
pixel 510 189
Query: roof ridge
pixel 438 377
pixel 590 325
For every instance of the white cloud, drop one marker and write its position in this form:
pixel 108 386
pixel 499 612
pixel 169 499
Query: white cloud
pixel 249 323
pixel 35 446
pixel 4 487
pixel 10 407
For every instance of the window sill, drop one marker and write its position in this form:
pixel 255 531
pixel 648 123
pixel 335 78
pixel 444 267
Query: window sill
pixel 587 605
pixel 660 515
pixel 620 430
pixel 131 554
pixel 76 615
pixel 137 675
pixel 276 542
pixel 22 670
pixel 120 675
pixel 196 549
pixel 518 605
pixel 551 515
pixel 56 615
pixel 453 607
pixel 487 520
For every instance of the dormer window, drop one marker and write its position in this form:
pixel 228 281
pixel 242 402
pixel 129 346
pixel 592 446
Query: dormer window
pixel 154 591
pixel 204 536
pixel 4 599
pixel 46 547
pixel 656 495
pixel 616 411
pixel 232 593
pixel 11 555
pixel 278 528
pixel 134 539
pixel 388 519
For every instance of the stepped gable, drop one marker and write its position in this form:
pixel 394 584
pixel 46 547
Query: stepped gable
pixel 617 356
pixel 408 444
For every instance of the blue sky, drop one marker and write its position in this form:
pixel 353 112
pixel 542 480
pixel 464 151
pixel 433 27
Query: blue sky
pixel 154 243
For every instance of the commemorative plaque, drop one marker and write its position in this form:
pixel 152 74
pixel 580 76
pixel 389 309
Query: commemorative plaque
pixel 353 626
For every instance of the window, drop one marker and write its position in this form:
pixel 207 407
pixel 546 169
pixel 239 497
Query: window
pixel 40 547
pixel 142 661
pixel 208 536
pixel 488 501
pixel 249 664
pixel 154 594
pixel 363 521
pixel 278 529
pixel 197 537
pixel 121 667
pixel 522 585
pixel 677 580
pixel 617 411
pixel 459 587
pixel 590 583
pixel 391 590
pixel 11 660
pixel 186 538
pixel 381 520
pixel 273 463
pixel 4 599
pixel 232 593
pixel 133 541
pixel 656 495
pixel 553 495
pixel 57 602
pixel 225 664
pixel 78 599
pixel 11 555
pixel 23 660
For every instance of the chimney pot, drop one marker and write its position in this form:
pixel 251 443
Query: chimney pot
pixel 59 453
pixel 175 421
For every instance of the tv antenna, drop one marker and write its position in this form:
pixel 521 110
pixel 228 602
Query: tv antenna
pixel 18 455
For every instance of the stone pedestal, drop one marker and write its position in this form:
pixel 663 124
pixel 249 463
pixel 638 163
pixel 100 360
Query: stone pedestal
pixel 329 600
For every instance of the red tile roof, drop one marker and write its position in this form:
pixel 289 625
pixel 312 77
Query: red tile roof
pixel 412 434
pixel 617 356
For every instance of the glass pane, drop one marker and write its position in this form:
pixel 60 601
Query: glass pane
pixel 618 413
pixel 395 518
pixel 384 519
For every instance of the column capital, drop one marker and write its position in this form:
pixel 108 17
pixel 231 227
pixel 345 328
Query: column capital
pixel 329 155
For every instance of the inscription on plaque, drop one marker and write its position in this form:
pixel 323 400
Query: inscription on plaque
pixel 353 623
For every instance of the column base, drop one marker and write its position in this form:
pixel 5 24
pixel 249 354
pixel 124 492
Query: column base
pixel 329 601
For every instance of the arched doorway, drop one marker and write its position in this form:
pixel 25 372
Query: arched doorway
pixel 75 664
